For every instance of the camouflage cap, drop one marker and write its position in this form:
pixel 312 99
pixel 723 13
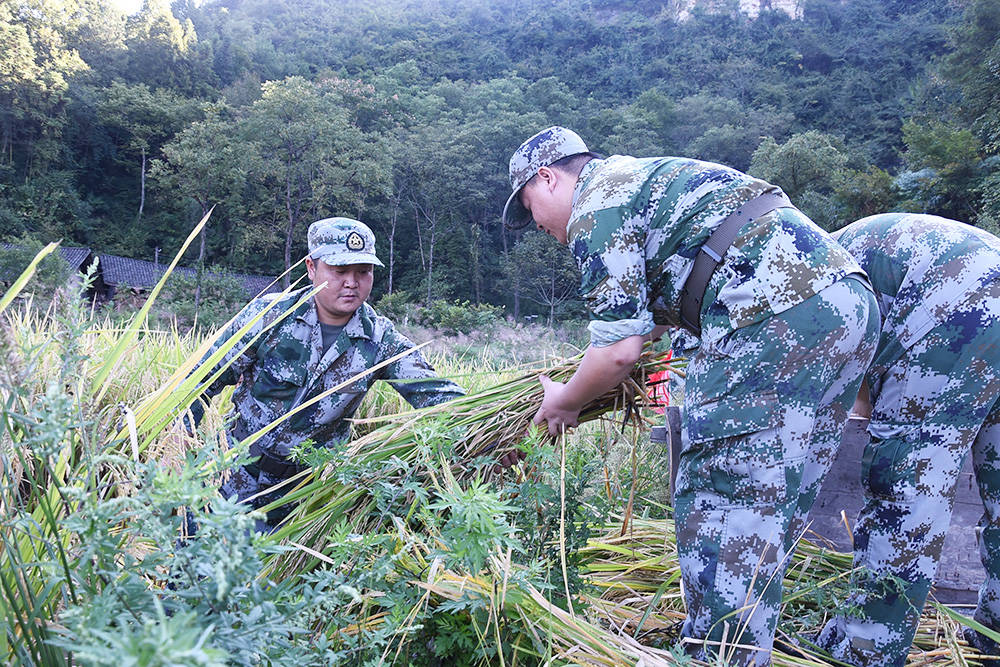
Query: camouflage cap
pixel 342 241
pixel 548 146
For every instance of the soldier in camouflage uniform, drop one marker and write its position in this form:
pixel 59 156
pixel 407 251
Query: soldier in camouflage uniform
pixel 787 329
pixel 326 340
pixel 934 386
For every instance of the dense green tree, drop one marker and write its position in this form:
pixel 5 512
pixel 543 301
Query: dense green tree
pixel 433 181
pixel 140 121
pixel 52 274
pixel 989 193
pixel 158 47
pixel 807 161
pixel 46 207
pixel 305 159
pixel 542 272
pixel 973 66
pixel 863 193
pixel 36 66
pixel 404 114
pixel 952 163
pixel 807 167
pixel 203 162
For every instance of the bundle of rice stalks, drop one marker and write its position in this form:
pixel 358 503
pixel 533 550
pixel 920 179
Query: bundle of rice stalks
pixel 522 623
pixel 636 577
pixel 636 583
pixel 563 636
pixel 631 606
pixel 631 609
pixel 482 428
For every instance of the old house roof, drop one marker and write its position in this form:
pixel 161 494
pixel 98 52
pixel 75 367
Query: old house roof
pixel 72 256
pixel 128 272
pixel 124 272
pixel 75 257
pixel 254 285
pixel 141 274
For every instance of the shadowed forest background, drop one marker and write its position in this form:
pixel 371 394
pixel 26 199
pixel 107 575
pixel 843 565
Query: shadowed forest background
pixel 118 132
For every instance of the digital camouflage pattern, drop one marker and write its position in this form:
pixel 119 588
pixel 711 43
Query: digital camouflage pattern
pixel 768 406
pixel 787 334
pixel 935 385
pixel 286 367
pixel 638 223
pixel 342 242
pixel 540 150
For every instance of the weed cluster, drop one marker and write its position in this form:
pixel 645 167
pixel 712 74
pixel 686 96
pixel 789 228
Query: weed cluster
pixel 406 544
pixel 97 567
pixel 450 317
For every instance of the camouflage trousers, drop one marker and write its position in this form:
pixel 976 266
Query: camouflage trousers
pixel 255 487
pixel 931 408
pixel 765 408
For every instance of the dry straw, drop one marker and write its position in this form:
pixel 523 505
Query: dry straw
pixel 489 423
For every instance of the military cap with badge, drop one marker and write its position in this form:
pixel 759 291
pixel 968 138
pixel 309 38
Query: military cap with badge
pixel 341 242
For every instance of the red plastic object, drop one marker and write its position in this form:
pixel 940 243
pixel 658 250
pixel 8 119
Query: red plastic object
pixel 659 389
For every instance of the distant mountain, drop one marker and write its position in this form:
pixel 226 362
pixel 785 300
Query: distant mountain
pixel 750 7
pixel 790 7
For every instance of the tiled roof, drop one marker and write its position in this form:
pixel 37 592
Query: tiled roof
pixel 254 285
pixel 75 256
pixel 140 274
pixel 128 272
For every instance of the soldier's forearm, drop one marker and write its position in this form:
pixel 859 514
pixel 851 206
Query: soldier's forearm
pixel 602 369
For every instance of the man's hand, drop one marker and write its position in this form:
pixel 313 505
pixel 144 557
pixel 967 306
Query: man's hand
pixel 555 409
pixel 511 458
pixel 601 370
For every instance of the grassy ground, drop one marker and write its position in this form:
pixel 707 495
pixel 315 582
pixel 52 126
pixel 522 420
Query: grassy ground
pixel 398 551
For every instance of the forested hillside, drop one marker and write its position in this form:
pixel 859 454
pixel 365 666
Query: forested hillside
pixel 118 132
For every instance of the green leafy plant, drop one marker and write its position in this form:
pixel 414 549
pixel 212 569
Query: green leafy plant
pixel 458 316
pixel 476 524
pixel 220 297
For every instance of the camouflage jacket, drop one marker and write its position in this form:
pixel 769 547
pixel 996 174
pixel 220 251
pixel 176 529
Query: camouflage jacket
pixel 286 367
pixel 638 223
pixel 921 267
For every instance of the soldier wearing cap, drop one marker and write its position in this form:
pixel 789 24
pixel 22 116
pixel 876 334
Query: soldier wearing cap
pixel 326 340
pixel 787 324
pixel 933 394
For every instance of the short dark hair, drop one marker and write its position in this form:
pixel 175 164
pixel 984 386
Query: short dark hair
pixel 571 164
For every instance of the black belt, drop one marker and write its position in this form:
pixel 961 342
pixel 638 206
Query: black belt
pixel 280 467
pixel 711 253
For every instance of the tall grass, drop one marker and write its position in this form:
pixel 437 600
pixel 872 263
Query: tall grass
pixel 406 545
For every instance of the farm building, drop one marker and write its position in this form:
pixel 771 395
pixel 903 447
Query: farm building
pixel 114 273
pixel 125 273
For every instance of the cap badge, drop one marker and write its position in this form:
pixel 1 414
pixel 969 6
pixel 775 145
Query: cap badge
pixel 355 241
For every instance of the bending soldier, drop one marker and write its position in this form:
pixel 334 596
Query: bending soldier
pixel 935 396
pixel 786 325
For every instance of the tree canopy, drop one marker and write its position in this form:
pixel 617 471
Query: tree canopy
pixel 119 132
